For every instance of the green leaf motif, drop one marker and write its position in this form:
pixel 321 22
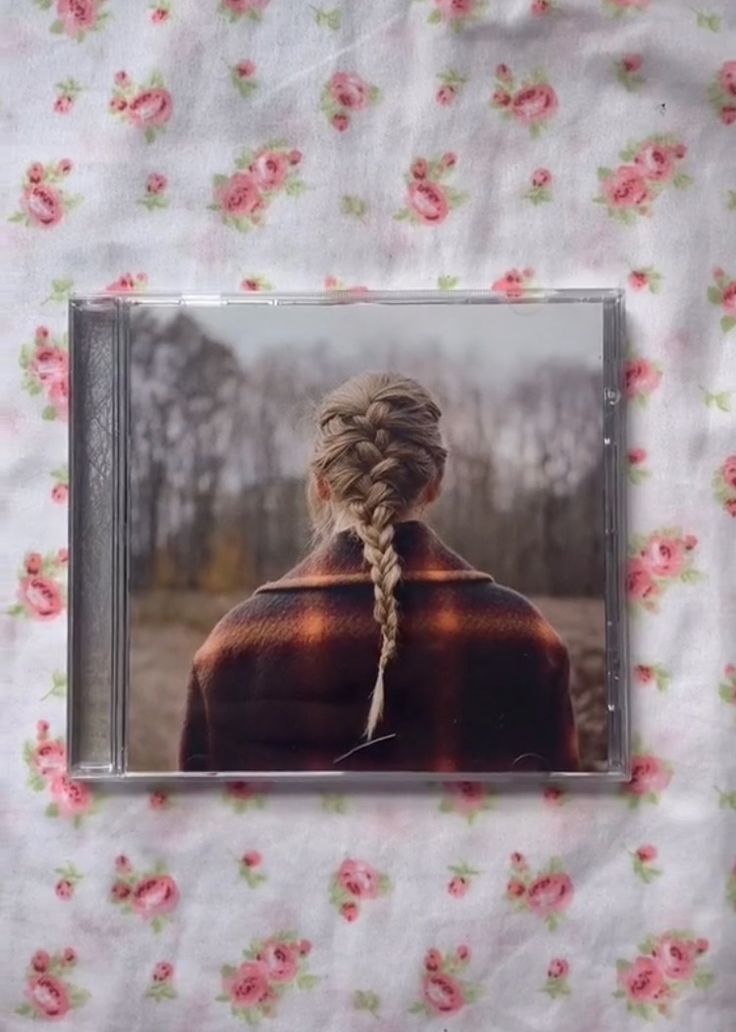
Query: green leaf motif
pixel 52 810
pixel 727 323
pixel 367 1000
pixel 352 205
pixel 708 21
pixel 604 173
pixel 57 27
pixel 295 187
pixel 307 981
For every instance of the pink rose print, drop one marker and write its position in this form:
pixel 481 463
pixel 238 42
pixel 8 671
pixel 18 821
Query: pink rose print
pixel 69 878
pixel 626 188
pixel 147 106
pixel 242 76
pixel 344 94
pixel 641 587
pixel 45 372
pixel 443 989
pixel 462 879
pixel 250 864
pixel 723 294
pixel 643 861
pixel 618 8
pixel 153 895
pixel 656 562
pixel 60 490
pixel 636 465
pixel 71 799
pixel 234 10
pixel 162 982
pixel 548 893
pixel 159 800
pixel 255 284
pixel 467 798
pixel 652 674
pixel 280 960
pixel 67 92
pixel 664 556
pixel 532 101
pixel 127 283
pixel 41 593
pixel 451 86
pixel 456 14
pixel 722 93
pixel 43 204
pixel 334 285
pixel 75 18
pixel 428 199
pixel 271 968
pixel 641 378
pixel 650 776
pixel 628 71
pixel 649 167
pixel 270 169
pixel 645 278
pixel 554 796
pixel 541 8
pixel 514 284
pixel 242 796
pixel 557 984
pixel 539 190
pixel 243 197
pixel 155 193
pixel 160 11
pixel 727 687
pixel 49 995
pixel 676 958
pixel 666 968
pixel 354 882
pixel 656 161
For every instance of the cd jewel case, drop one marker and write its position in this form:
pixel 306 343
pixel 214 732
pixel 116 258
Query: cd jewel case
pixel 368 536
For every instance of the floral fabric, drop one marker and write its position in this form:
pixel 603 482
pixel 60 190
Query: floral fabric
pixel 225 145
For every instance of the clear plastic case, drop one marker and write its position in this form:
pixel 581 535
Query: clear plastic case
pixel 364 536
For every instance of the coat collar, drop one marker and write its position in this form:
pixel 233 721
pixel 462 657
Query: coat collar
pixel 339 561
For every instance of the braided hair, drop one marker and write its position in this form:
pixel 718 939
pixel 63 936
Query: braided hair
pixel 378 446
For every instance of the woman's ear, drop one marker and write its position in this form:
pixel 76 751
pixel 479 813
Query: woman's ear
pixel 323 488
pixel 433 490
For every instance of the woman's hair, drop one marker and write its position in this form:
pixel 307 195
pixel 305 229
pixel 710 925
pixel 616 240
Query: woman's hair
pixel 378 446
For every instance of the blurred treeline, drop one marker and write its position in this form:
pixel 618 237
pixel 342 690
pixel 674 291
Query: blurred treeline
pixel 220 445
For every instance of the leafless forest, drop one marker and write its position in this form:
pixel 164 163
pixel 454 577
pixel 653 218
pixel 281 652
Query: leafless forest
pixel 220 443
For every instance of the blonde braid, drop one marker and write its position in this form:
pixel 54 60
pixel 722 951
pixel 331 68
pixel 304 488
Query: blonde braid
pixel 378 447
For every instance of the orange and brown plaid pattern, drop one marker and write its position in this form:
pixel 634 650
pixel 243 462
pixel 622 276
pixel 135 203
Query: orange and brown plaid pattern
pixel 479 681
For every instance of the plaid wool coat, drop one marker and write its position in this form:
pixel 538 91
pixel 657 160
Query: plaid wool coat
pixel 479 681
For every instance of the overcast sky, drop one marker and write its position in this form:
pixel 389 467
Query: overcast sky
pixel 512 336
